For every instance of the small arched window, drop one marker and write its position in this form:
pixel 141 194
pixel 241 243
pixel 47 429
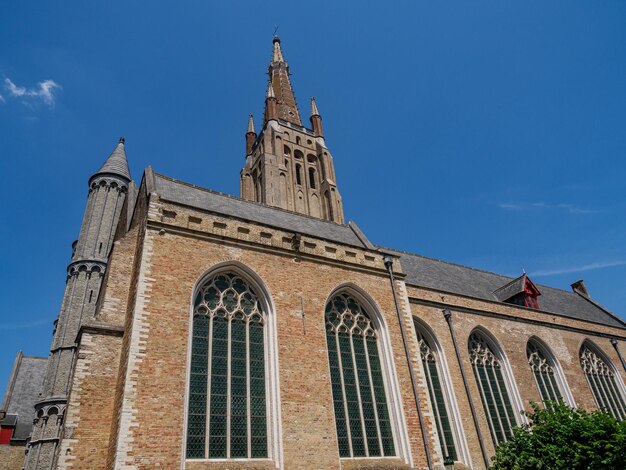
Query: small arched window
pixel 286 151
pixel 437 392
pixel 312 178
pixel 298 140
pixel 298 174
pixel 227 412
pixel 544 370
pixel 488 371
pixel 359 398
pixel 603 381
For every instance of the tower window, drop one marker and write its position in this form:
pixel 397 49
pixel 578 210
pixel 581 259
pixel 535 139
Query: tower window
pixel 360 403
pixel 298 174
pixel 298 140
pixel 227 415
pixel 312 178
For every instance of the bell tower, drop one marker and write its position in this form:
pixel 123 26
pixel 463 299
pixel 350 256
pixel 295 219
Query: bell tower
pixel 287 164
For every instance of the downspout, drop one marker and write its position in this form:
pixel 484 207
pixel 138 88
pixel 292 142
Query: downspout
pixel 389 265
pixel 448 316
pixel 614 343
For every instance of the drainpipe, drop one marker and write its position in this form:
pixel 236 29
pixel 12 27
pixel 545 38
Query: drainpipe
pixel 621 359
pixel 448 316
pixel 389 265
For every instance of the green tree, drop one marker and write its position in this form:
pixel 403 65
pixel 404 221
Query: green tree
pixel 560 437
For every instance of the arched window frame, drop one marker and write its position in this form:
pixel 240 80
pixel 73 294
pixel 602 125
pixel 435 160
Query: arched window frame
pixel 619 409
pixel 507 375
pixel 452 407
pixel 390 377
pixel 566 393
pixel 272 387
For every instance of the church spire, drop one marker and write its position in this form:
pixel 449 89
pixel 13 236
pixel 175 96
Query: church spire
pixel 278 70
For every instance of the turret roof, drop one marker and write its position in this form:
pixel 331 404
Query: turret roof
pixel 116 164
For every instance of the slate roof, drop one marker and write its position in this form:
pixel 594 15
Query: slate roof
pixel 453 278
pixel 116 164
pixel 25 384
pixel 511 289
pixel 420 270
pixel 182 193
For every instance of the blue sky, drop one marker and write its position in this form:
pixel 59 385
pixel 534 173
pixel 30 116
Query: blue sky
pixel 489 134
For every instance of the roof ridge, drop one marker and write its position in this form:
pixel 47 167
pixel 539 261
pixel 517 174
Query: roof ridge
pixel 262 204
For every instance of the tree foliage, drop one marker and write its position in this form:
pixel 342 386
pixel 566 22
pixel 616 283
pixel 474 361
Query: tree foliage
pixel 560 437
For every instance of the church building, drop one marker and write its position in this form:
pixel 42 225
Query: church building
pixel 200 330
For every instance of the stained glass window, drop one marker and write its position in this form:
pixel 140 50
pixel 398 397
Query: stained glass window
pixel 227 415
pixel 543 370
pixel 603 383
pixel 494 395
pixel 360 403
pixel 437 397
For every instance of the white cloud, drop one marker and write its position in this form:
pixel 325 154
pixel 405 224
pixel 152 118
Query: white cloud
pixel 21 326
pixel 578 269
pixel 570 208
pixel 45 90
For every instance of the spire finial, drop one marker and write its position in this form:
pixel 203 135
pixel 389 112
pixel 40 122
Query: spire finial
pixel 122 140
pixel 277 56
pixel 314 110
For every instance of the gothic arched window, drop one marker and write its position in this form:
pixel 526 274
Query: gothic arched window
pixel 544 370
pixel 494 394
pixel 437 393
pixel 602 379
pixel 359 398
pixel 227 413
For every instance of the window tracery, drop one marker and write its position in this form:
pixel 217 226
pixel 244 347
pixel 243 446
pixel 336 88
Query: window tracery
pixel 437 398
pixel 359 397
pixel 227 412
pixel 545 375
pixel 494 395
pixel 603 383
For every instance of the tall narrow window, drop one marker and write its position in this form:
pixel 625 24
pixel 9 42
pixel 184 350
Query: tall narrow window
pixel 298 174
pixel 603 382
pixel 492 386
pixel 437 397
pixel 227 415
pixel 312 178
pixel 544 372
pixel 360 402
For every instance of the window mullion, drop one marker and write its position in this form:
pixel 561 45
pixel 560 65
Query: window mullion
pixel 357 386
pixel 618 397
pixel 434 404
pixel 616 411
pixel 484 397
pixel 248 405
pixel 343 392
pixel 602 391
pixel 610 396
pixel 374 403
pixel 208 388
pixel 504 398
pixel 600 398
pixel 228 386
pixel 490 369
pixel 554 387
